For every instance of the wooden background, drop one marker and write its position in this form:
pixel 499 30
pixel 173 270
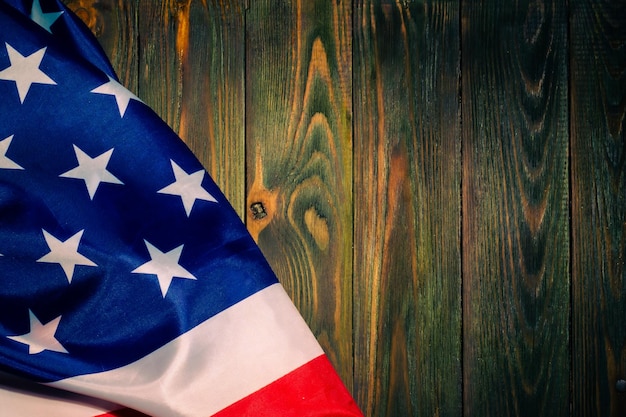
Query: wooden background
pixel 439 184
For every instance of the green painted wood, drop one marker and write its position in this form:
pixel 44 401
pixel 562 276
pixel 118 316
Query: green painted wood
pixel 420 221
pixel 407 208
pixel 598 132
pixel 299 159
pixel 191 72
pixel 515 209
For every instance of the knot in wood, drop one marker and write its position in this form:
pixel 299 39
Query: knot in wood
pixel 258 210
pixel 88 12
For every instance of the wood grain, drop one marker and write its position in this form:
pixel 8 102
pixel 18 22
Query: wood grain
pixel 191 55
pixel 598 131
pixel 299 159
pixel 404 166
pixel 407 207
pixel 515 209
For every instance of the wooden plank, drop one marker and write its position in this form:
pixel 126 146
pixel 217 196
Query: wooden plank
pixel 598 132
pixel 192 73
pixel 407 207
pixel 515 209
pixel 114 23
pixel 298 137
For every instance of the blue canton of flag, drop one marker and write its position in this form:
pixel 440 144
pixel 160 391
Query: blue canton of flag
pixel 78 219
pixel 124 273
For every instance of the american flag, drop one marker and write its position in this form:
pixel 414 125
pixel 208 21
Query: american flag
pixel 127 282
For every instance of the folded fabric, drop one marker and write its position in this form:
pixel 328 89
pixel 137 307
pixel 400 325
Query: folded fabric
pixel 126 279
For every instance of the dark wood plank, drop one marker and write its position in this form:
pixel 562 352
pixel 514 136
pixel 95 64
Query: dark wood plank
pixel 515 208
pixel 299 159
pixel 598 131
pixel 407 206
pixel 192 73
pixel 114 23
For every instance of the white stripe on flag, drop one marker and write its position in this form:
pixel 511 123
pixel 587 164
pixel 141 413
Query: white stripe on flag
pixel 22 398
pixel 224 359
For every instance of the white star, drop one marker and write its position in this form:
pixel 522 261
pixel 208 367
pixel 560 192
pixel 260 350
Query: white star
pixel 188 187
pixel 5 162
pixel 122 95
pixel 92 170
pixel 45 20
pixel 165 266
pixel 65 253
pixel 24 70
pixel 41 336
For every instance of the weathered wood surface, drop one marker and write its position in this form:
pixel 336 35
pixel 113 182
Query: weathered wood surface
pixel 191 71
pixel 515 209
pixel 407 208
pixel 439 184
pixel 299 159
pixel 598 142
pixel 185 59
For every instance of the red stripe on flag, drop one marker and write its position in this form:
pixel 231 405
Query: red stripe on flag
pixel 124 412
pixel 312 390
